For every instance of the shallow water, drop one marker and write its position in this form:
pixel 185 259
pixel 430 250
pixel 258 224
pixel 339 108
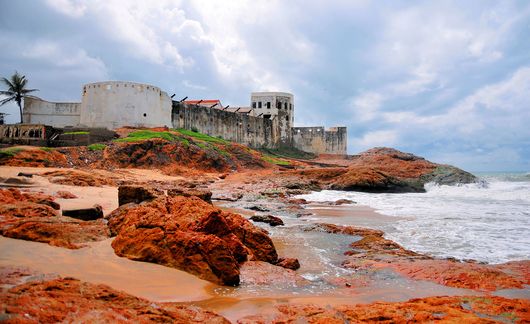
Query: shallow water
pixel 487 222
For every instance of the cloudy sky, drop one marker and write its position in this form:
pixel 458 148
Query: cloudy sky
pixel 448 80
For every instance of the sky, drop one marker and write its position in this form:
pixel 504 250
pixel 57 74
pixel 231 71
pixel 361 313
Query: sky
pixel 446 80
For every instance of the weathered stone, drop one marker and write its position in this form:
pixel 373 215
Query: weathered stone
pixel 205 195
pixel 68 300
pixel 259 208
pixel 86 214
pixel 23 174
pixel 189 234
pixel 269 219
pixel 343 202
pixel 263 273
pixel 288 263
pixel 65 194
pixel 136 194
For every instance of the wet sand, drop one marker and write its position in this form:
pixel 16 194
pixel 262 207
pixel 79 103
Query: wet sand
pixel 97 263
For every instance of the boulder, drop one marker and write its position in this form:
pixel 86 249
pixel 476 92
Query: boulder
pixel 269 219
pixel 24 174
pixel 136 194
pixel 288 263
pixel 85 214
pixel 205 195
pixel 189 234
pixel 343 202
pixel 263 273
pixel 259 208
pixel 65 194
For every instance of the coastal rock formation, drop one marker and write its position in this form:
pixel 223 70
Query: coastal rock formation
pixel 382 170
pixel 263 273
pixel 136 194
pixel 268 219
pixel 432 309
pixel 32 217
pixel 78 178
pixel 67 300
pixel 189 234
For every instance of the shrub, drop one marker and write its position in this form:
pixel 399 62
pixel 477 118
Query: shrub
pixel 96 147
pixel 46 149
pixel 201 136
pixel 10 151
pixel 142 135
pixel 76 133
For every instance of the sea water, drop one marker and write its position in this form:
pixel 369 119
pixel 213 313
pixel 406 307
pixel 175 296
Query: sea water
pixel 487 221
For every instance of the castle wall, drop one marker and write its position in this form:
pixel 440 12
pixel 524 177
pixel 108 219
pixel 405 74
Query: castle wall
pixel 320 141
pixel 240 128
pixel 56 114
pixel 115 104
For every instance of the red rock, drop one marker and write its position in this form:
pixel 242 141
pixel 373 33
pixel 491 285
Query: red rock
pixel 205 195
pixel 78 178
pixel 263 273
pixel 464 274
pixel 55 231
pixel 28 216
pixel 189 234
pixel 288 263
pixel 69 300
pixel 268 219
pixel 136 194
pixel 422 310
pixel 65 194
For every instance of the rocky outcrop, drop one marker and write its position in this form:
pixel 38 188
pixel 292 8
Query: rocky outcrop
pixel 288 263
pixel 78 178
pixel 460 309
pixel 189 234
pixel 32 217
pixel 262 273
pixel 382 170
pixel 68 300
pixel 136 194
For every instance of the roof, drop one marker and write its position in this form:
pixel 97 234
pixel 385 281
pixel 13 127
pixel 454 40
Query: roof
pixel 203 102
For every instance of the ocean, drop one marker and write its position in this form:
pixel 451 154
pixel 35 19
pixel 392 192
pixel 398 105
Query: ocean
pixel 487 221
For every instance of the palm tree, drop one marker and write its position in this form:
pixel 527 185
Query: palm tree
pixel 16 90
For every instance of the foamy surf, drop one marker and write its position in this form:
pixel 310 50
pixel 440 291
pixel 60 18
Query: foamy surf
pixel 487 221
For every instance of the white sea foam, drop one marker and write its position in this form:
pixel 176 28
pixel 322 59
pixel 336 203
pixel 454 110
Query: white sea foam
pixel 483 222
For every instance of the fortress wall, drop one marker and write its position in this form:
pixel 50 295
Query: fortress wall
pixel 320 141
pixel 56 114
pixel 240 128
pixel 114 104
pixel 336 139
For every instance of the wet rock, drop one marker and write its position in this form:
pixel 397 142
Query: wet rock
pixel 85 214
pixel 343 202
pixel 65 195
pixel 262 273
pixel 205 195
pixel 136 194
pixel 69 300
pixel 19 181
pixel 368 179
pixel 268 219
pixel 259 208
pixel 78 178
pixel 465 274
pixel 299 201
pixel 288 263
pixel 340 229
pixel 189 234
pixel 232 197
pixel 55 231
pixel 459 309
pixel 24 174
pixel 28 216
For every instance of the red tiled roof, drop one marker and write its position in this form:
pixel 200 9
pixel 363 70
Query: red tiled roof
pixel 204 101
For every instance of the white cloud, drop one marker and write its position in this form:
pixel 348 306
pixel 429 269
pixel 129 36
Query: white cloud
pixel 72 8
pixel 366 106
pixel 375 138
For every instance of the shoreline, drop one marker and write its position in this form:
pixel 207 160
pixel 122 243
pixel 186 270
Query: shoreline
pixel 97 263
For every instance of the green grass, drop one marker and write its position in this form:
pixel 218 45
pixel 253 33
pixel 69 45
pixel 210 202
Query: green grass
pixel 142 135
pixel 288 152
pixel 76 133
pixel 202 137
pixel 96 147
pixel 273 160
pixel 46 149
pixel 10 151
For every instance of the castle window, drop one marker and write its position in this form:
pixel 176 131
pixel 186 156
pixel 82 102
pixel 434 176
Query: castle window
pixel 268 105
pixel 253 104
pixel 145 115
pixel 285 106
pixel 290 106
pixel 109 86
pixel 259 104
pixel 279 105
pixel 286 118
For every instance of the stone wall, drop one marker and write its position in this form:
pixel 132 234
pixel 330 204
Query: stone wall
pixel 56 114
pixel 18 134
pixel 320 141
pixel 240 128
pixel 115 104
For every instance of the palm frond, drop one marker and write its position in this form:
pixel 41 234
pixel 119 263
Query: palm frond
pixel 3 102
pixel 26 91
pixel 7 93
